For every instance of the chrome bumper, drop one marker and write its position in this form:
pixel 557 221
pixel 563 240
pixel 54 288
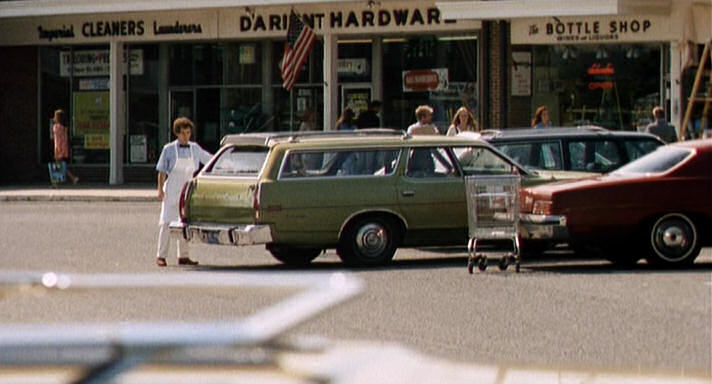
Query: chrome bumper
pixel 245 234
pixel 543 227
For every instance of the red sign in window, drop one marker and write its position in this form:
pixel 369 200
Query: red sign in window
pixel 421 80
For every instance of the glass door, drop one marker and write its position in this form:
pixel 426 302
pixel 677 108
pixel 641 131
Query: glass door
pixel 182 104
pixel 207 119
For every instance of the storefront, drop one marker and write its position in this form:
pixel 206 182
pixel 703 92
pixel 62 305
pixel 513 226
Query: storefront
pixel 124 76
pixel 606 63
pixel 608 71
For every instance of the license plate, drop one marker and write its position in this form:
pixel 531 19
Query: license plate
pixel 211 237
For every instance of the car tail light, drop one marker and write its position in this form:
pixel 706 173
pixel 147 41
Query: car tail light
pixel 542 207
pixel 184 197
pixel 525 201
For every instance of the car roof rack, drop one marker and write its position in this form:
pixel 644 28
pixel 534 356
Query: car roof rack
pixel 263 138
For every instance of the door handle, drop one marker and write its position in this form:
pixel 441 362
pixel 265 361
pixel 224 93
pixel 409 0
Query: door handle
pixel 408 193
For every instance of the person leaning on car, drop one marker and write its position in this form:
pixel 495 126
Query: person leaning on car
pixel 424 125
pixel 178 161
pixel 661 128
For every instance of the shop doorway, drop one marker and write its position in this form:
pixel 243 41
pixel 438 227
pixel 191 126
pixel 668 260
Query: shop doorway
pixel 203 107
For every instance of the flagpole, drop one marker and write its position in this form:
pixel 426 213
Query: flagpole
pixel 291 110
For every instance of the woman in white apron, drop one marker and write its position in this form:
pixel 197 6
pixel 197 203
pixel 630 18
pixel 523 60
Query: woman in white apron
pixel 179 160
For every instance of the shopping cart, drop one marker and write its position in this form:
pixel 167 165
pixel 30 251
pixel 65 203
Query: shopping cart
pixel 493 214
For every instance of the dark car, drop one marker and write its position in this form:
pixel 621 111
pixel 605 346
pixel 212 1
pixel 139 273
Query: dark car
pixel 578 149
pixel 658 207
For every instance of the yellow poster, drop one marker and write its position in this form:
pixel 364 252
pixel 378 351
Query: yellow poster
pixel 91 113
pixel 94 141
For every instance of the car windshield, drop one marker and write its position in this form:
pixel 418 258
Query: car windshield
pixel 239 161
pixel 661 160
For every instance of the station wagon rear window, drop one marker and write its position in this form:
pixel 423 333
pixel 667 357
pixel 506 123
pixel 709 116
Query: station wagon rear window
pixel 239 161
pixel 339 163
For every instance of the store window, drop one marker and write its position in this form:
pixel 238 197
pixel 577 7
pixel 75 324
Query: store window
pixel 303 107
pixel 88 68
pixel 440 71
pixel 354 69
pixel 143 118
pixel 196 64
pixel 219 86
pixel 614 86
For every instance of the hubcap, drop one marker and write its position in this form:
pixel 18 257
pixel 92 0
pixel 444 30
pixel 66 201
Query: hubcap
pixel 673 238
pixel 371 240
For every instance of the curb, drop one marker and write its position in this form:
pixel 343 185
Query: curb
pixel 86 195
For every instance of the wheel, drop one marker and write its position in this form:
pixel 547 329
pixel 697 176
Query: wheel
pixel 292 255
pixel 482 263
pixel 503 263
pixel 673 241
pixel 470 266
pixel 369 241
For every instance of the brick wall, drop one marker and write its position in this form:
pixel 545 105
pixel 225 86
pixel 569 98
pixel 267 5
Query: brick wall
pixel 497 84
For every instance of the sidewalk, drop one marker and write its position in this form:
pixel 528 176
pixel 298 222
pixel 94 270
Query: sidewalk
pixel 85 192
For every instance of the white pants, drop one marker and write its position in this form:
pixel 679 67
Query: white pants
pixel 164 245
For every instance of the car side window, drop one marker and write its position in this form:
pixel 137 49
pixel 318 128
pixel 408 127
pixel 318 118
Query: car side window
pixel 638 148
pixel 481 161
pixel 520 152
pixel 594 155
pixel 338 163
pixel 549 156
pixel 429 162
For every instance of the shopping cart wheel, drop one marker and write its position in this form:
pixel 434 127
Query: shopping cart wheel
pixel 503 263
pixel 482 263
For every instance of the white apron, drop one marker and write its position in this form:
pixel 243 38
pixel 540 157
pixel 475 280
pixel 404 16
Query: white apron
pixel 182 172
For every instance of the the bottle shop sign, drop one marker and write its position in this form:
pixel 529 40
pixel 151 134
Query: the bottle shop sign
pixel 593 30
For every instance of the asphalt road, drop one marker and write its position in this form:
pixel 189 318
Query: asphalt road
pixel 557 313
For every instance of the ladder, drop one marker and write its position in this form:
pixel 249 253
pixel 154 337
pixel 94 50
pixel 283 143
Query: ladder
pixel 696 97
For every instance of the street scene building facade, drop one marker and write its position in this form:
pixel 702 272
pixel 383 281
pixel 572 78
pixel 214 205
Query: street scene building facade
pixel 124 71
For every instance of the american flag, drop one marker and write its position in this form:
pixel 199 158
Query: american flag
pixel 300 39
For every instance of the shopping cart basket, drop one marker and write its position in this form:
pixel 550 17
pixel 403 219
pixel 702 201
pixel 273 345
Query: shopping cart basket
pixel 493 214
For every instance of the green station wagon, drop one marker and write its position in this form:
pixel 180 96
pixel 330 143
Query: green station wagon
pixel 365 193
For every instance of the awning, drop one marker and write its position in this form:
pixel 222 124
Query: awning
pixel 514 9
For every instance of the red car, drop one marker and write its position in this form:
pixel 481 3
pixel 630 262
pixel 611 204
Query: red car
pixel 658 207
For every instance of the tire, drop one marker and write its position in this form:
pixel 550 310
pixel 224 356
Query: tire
pixel 297 257
pixel 369 241
pixel 673 241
